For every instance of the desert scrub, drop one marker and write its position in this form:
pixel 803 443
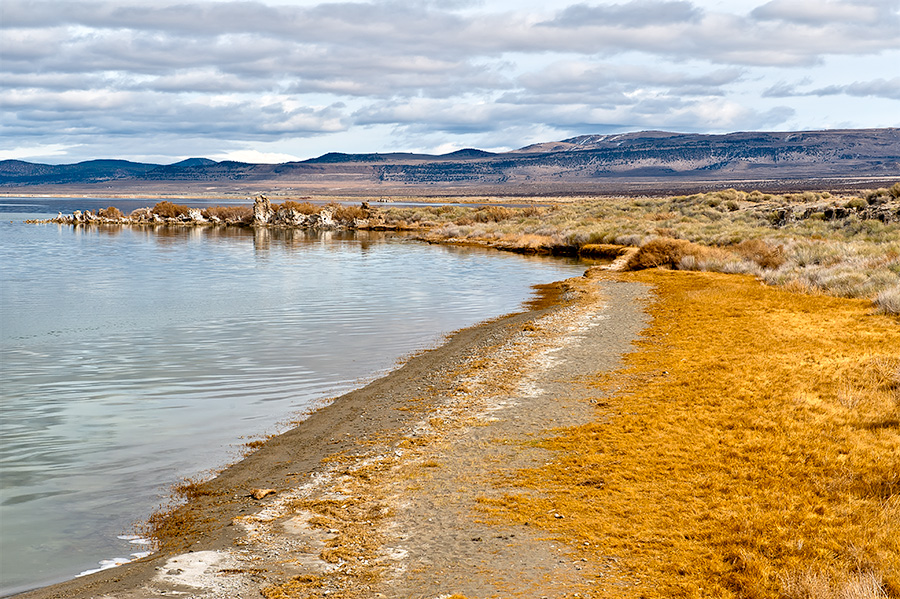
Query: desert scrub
pixel 727 231
pixel 747 448
pixel 342 213
pixel 167 209
pixel 233 214
pixel 301 207
pixel 110 212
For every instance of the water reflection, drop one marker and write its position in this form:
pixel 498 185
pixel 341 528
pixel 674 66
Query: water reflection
pixel 172 343
pixel 262 237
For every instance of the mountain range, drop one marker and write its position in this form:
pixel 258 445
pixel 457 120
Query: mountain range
pixel 648 161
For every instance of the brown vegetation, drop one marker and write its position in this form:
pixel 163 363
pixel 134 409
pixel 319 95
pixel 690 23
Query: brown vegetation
pixel 110 212
pixel 234 214
pixel 347 214
pixel 602 250
pixel 764 254
pixel 167 209
pixel 301 207
pixel 172 525
pixel 664 252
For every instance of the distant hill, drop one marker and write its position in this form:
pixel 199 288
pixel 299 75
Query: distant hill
pixel 649 160
pixel 17 172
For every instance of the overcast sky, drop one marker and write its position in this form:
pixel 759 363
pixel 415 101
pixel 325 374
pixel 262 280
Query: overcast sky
pixel 274 80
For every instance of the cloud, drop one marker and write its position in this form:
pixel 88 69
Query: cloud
pixel 89 72
pixel 637 110
pixel 877 12
pixel 602 78
pixel 636 14
pixel 877 88
pixel 99 112
pixel 254 156
pixel 35 152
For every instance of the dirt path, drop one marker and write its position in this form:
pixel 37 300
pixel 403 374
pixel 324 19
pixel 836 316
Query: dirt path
pixel 381 494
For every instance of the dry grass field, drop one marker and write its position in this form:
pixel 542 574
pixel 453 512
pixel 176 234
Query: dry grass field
pixel 748 448
pixel 845 246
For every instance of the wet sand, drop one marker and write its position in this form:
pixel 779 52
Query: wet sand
pixel 382 492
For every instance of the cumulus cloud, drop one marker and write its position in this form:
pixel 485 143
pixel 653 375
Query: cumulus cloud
pixel 90 71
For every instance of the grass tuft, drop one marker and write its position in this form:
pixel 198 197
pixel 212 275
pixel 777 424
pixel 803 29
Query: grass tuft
pixel 888 301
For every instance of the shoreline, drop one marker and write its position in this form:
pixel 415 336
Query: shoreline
pixel 349 425
pixel 547 452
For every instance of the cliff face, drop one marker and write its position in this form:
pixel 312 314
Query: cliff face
pixel 588 162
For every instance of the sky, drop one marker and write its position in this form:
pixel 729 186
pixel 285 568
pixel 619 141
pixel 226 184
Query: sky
pixel 274 80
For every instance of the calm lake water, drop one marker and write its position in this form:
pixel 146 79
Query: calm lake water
pixel 133 358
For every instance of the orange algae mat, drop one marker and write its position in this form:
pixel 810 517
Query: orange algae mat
pixel 749 447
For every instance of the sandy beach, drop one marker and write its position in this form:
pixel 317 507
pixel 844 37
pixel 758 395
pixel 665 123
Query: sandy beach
pixel 379 494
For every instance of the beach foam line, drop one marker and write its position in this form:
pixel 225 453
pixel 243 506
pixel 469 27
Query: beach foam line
pixel 106 564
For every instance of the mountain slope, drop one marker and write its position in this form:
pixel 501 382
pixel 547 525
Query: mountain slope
pixel 589 162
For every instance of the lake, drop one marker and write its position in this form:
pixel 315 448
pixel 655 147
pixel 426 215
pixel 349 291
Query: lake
pixel 134 358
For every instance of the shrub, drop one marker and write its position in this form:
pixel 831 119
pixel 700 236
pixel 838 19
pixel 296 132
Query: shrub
pixel 888 301
pixel 301 207
pixel 878 195
pixel 167 209
pixel 342 213
pixel 531 211
pixel 493 214
pixel 602 250
pixel 894 191
pixel 110 212
pixel 726 194
pixel 856 203
pixel 761 252
pixel 665 252
pixel 243 214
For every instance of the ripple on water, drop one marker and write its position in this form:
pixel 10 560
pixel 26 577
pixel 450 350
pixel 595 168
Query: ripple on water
pixel 131 361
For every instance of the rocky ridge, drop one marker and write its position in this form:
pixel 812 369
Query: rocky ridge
pixel 650 161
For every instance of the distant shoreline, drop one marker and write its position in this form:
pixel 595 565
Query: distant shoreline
pixel 603 188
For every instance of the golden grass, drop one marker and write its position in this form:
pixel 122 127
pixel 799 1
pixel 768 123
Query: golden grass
pixel 728 462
